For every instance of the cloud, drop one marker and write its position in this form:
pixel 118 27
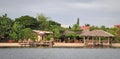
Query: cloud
pixel 65 11
pixel 106 5
pixel 107 21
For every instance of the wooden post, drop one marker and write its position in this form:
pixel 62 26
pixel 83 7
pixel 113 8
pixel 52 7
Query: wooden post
pixel 92 40
pixel 84 40
pixel 99 40
pixel 85 43
pixel 108 41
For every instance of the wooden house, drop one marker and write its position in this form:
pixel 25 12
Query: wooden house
pixel 42 34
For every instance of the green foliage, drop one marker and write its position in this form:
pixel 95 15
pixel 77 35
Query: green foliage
pixel 94 28
pixel 27 22
pixel 76 27
pixel 73 36
pixel 43 23
pixel 78 37
pixel 112 30
pixel 103 28
pixel 29 34
pixel 17 33
pixel 49 37
pixel 22 27
pixel 55 27
pixel 51 23
pixel 117 35
pixel 14 36
pixel 5 25
pixel 17 27
pixel 56 31
pixel 46 24
pixel 26 33
pixel 70 35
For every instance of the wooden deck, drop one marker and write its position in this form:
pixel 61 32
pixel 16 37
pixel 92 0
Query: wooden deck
pixel 35 44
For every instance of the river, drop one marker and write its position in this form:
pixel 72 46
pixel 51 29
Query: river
pixel 59 53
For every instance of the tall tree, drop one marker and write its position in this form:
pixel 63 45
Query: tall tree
pixel 16 33
pixel 43 21
pixel 5 25
pixel 21 23
pixel 78 21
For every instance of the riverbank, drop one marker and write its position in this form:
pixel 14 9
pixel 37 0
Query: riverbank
pixel 68 45
pixel 116 45
pixel 9 44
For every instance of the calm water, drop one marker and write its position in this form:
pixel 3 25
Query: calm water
pixel 59 53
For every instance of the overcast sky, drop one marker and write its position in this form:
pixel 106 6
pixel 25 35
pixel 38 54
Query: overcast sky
pixel 66 12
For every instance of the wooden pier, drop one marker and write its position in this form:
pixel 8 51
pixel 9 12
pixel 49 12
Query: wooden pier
pixel 37 44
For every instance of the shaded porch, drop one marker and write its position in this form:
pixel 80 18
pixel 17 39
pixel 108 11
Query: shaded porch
pixel 97 38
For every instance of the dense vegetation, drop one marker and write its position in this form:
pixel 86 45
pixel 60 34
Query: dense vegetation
pixel 21 28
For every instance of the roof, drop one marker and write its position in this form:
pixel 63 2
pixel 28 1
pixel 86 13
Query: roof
pixel 97 33
pixel 118 26
pixel 85 27
pixel 43 32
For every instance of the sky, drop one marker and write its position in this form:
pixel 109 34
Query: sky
pixel 66 12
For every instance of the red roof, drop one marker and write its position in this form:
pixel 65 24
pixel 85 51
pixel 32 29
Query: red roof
pixel 118 26
pixel 85 27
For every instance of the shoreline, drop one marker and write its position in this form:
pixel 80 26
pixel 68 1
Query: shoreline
pixel 56 45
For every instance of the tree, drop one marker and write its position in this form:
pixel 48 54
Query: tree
pixel 43 22
pixel 20 24
pixel 87 24
pixel 76 27
pixel 117 35
pixel 14 36
pixel 53 24
pixel 103 28
pixel 94 28
pixel 18 27
pixel 112 30
pixel 27 22
pixel 78 22
pixel 5 25
pixel 29 34
pixel 56 31
pixel 46 24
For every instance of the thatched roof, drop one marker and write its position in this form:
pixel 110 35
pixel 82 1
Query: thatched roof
pixel 97 33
